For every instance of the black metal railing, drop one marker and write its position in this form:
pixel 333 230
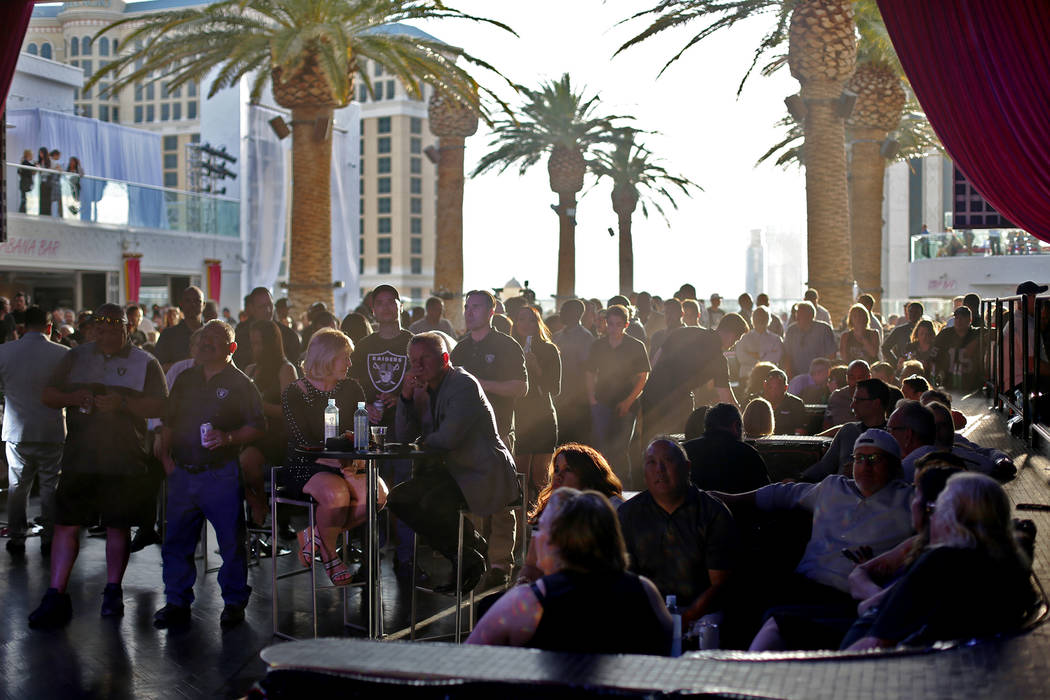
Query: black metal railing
pixel 1014 355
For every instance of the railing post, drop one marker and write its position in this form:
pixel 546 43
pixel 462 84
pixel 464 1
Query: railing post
pixel 1026 399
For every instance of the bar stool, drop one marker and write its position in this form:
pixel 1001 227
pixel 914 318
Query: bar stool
pixel 521 502
pixel 310 505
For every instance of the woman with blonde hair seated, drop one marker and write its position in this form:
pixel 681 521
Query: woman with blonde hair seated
pixel 971 580
pixel 758 419
pixel 587 601
pixel 338 487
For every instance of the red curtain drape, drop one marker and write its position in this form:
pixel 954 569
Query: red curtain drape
pixel 981 71
pixel 132 277
pixel 214 289
pixel 14 18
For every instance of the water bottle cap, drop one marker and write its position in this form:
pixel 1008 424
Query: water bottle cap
pixel 671 600
pixel 331 402
pixel 360 404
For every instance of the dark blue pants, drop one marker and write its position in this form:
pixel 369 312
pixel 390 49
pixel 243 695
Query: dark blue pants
pixel 217 495
pixel 612 435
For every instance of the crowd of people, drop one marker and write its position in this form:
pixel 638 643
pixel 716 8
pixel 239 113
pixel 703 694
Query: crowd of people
pixel 666 396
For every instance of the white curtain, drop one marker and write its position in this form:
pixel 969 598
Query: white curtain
pixel 266 172
pixel 345 218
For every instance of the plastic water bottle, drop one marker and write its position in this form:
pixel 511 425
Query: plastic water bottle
pixel 331 420
pixel 676 625
pixel 361 428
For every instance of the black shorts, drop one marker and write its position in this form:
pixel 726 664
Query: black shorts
pixel 109 500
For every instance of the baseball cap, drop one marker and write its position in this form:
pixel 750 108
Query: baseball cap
pixel 874 437
pixel 715 296
pixel 1031 287
pixel 386 288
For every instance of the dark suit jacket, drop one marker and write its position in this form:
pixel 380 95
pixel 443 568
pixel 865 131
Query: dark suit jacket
pixel 462 422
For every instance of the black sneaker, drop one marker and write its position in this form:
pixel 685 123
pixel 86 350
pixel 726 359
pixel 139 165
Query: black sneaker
pixel 232 615
pixel 17 548
pixel 55 611
pixel 171 617
pixel 145 537
pixel 97 531
pixel 473 569
pixel 112 601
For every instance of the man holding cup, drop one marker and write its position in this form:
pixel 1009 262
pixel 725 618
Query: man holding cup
pixel 111 388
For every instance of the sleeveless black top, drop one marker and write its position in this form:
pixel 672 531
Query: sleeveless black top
pixel 598 613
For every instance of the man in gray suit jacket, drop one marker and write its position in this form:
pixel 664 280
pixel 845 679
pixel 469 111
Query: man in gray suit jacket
pixel 33 432
pixel 445 409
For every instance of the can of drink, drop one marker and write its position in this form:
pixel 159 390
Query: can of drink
pixel 205 427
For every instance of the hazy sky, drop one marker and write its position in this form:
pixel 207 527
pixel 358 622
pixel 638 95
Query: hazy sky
pixel 706 134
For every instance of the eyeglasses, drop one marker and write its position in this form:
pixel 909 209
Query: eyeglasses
pixel 870 459
pixel 109 321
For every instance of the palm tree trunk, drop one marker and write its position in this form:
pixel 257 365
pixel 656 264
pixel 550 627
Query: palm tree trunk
pixel 448 251
pixel 310 249
pixel 827 198
pixel 624 201
pixel 566 247
pixel 866 180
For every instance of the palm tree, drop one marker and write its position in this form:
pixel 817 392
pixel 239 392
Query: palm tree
pixel 452 121
pixel 822 56
pixel 560 122
pixel 881 96
pixel 310 50
pixel 637 178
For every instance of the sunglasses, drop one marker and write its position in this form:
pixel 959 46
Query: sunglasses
pixel 109 321
pixel 870 459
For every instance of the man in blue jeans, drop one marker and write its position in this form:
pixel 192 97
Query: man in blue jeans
pixel 617 369
pixel 204 476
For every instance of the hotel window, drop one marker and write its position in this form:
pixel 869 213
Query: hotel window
pixel 417 246
pixel 171 143
pixel 165 111
pixel 116 114
pixel 138 92
pixel 138 114
pixel 176 110
pixel 417 266
pixel 150 113
pixel 390 94
pixel 377 88
pixel 383 165
pixel 415 166
pixel 383 266
pixel 384 185
pixel 416 205
pixel 171 179
pixel 383 125
pixel 383 144
pixel 85 111
pixel 191 88
pixel 45 50
pixel 384 245
pixel 379 69
pixel 416 225
pixel 74 48
pixel 164 90
pixel 383 224
pixel 177 92
pixel 103 46
pixel 384 205
pixel 103 113
pixel 415 145
pixel 85 45
pixel 360 266
pixel 149 91
pixel 415 125
pixel 362 187
pixel 416 185
pixel 191 109
pixel 362 93
pixel 32 50
pixel 171 161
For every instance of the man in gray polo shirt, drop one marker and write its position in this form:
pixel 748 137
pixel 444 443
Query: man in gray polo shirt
pixel 33 432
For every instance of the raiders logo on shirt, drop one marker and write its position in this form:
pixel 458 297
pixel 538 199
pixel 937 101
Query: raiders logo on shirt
pixel 386 370
pixel 222 393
